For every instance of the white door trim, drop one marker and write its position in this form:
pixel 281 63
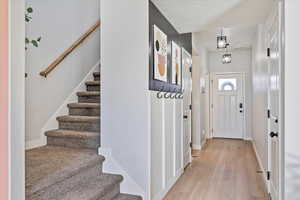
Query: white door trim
pixel 278 12
pixel 190 111
pixel 281 101
pixel 211 100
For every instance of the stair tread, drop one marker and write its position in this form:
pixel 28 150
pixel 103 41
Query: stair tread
pixel 127 197
pixel 84 105
pixel 78 118
pixel 93 188
pixel 72 134
pixel 88 93
pixel 97 83
pixel 48 165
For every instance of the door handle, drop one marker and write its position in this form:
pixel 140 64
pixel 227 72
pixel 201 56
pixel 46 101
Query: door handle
pixel 273 134
pixel 185 117
pixel 241 106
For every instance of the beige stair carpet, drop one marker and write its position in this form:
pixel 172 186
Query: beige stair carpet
pixel 68 167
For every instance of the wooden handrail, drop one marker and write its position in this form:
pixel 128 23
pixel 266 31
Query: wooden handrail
pixel 53 65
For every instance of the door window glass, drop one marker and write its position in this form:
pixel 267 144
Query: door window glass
pixel 227 84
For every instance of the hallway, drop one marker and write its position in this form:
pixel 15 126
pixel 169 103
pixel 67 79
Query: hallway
pixel 224 170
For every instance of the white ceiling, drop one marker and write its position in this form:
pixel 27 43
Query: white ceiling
pixel 238 37
pixel 202 15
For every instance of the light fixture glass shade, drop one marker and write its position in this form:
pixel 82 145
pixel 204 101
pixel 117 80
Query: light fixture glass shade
pixel 227 58
pixel 221 42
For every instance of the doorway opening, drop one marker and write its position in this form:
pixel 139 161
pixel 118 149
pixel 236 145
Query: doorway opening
pixel 228 103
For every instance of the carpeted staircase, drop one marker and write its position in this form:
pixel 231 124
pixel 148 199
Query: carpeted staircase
pixel 68 167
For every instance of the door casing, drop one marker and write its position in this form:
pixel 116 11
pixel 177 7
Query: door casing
pixel 187 101
pixel 277 17
pixel 211 101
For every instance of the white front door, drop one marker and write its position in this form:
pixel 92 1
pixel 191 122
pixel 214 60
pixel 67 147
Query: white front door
pixel 187 101
pixel 274 105
pixel 228 105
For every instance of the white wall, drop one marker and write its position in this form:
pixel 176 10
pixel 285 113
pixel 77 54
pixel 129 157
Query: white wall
pixel 200 100
pixel 59 23
pixel 166 144
pixel 241 62
pixel 292 99
pixel 125 109
pixel 17 101
pixel 260 95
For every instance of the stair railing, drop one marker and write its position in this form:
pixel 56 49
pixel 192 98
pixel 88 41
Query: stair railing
pixel 56 62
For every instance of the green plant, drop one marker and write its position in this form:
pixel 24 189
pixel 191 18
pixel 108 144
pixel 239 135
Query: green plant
pixel 28 41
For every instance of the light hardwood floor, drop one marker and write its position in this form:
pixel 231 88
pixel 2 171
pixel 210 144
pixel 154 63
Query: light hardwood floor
pixel 225 170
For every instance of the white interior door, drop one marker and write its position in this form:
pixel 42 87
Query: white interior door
pixel 187 101
pixel 228 106
pixel 274 109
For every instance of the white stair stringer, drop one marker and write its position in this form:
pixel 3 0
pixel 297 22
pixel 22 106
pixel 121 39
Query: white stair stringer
pixel 112 166
pixel 62 110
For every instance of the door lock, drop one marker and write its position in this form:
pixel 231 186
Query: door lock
pixel 185 117
pixel 273 134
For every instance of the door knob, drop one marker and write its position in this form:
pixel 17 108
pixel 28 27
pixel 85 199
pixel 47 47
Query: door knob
pixel 185 117
pixel 273 134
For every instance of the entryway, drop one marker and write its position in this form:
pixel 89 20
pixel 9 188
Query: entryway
pixel 227 106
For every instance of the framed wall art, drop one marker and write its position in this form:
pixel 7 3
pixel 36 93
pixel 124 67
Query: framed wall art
pixel 161 34
pixel 160 55
pixel 176 64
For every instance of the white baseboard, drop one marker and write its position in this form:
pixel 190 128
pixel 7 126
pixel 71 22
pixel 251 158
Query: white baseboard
pixel 196 146
pixel 35 143
pixel 260 164
pixel 62 110
pixel 110 165
pixel 163 193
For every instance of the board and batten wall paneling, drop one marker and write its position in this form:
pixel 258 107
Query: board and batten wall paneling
pixel 178 121
pixel 157 145
pixel 169 139
pixel 166 144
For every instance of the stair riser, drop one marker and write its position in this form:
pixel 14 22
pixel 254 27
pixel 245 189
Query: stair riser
pixel 111 194
pixel 96 78
pixel 80 126
pixel 56 189
pixel 93 87
pixel 91 143
pixel 89 99
pixel 84 111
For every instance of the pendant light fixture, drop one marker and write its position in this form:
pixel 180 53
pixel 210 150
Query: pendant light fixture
pixel 222 41
pixel 227 57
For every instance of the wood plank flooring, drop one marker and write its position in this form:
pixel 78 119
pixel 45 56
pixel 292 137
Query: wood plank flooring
pixel 225 170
